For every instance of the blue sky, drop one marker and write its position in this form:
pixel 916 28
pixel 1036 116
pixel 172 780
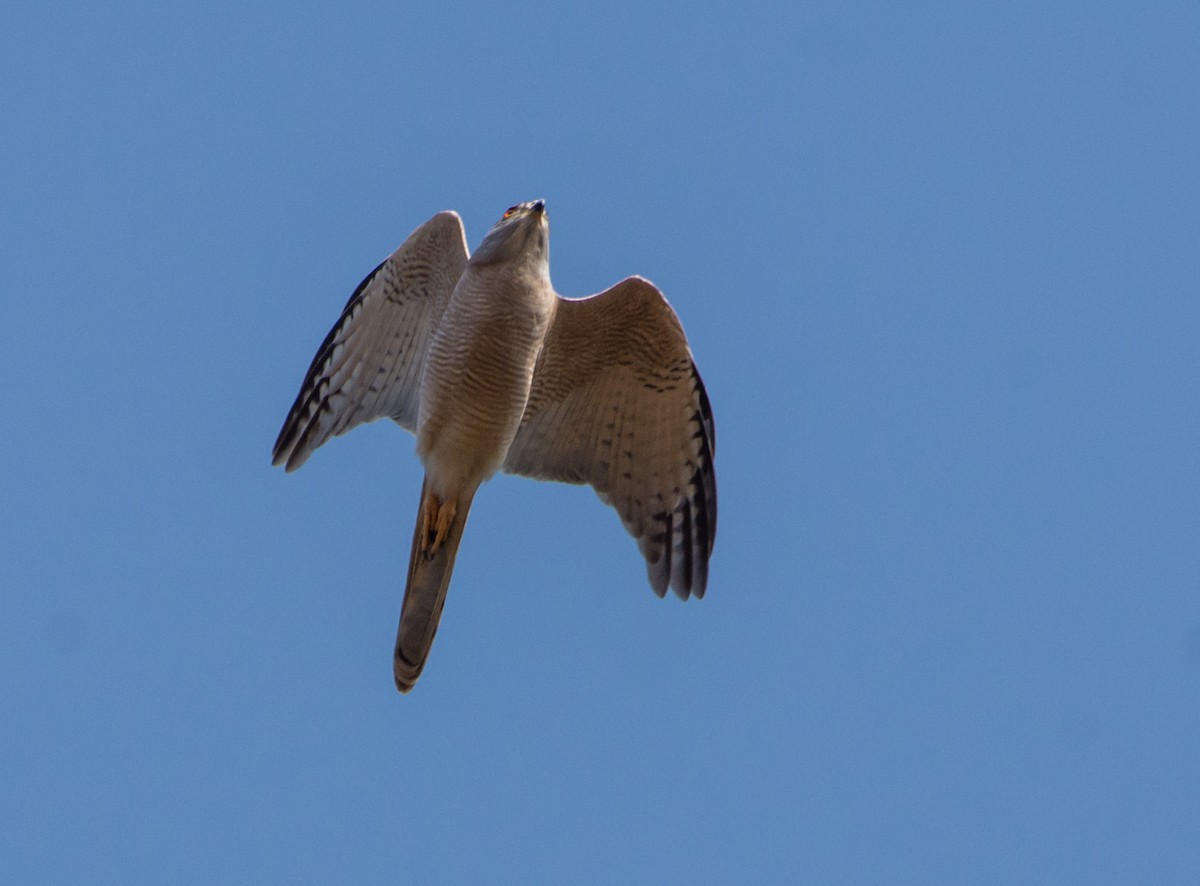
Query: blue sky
pixel 939 266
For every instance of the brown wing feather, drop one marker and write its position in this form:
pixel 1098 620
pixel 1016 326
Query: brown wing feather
pixel 617 403
pixel 369 365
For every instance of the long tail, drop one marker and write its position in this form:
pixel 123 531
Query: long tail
pixel 425 593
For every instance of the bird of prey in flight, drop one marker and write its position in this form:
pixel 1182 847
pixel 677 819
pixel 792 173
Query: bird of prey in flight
pixel 491 370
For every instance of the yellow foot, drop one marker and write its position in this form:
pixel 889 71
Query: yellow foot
pixel 436 519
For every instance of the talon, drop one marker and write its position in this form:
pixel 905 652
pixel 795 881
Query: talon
pixel 445 518
pixel 436 519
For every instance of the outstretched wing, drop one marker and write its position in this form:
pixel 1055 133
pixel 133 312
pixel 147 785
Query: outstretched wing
pixel 617 403
pixel 369 366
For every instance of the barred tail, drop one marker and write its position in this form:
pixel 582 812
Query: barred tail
pixel 425 594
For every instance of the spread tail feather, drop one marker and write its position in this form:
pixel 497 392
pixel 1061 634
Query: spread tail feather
pixel 425 593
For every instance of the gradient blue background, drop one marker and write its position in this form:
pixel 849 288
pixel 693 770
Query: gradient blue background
pixel 940 267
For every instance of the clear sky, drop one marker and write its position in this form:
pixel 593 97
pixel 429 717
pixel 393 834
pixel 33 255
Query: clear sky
pixel 940 268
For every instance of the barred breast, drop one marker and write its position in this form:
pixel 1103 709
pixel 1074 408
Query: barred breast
pixel 477 376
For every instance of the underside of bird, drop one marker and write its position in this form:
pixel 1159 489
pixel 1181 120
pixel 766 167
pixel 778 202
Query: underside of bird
pixel 493 371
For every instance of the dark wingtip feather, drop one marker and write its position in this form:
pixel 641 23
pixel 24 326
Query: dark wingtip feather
pixel 291 435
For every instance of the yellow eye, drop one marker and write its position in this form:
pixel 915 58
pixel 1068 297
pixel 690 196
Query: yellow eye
pixel 509 212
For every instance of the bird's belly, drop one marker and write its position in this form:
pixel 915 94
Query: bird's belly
pixel 469 415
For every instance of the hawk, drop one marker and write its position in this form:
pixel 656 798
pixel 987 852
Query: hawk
pixel 493 371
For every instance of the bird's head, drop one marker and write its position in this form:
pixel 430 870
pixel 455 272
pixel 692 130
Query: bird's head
pixel 521 235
